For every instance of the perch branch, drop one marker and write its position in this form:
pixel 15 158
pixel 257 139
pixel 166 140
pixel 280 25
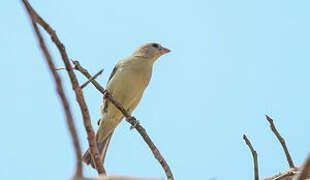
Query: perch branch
pixel 75 86
pixel 130 119
pixel 282 141
pixel 91 79
pixel 60 91
pixel 254 154
pixel 134 123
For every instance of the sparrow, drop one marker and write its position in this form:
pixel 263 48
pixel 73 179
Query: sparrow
pixel 126 84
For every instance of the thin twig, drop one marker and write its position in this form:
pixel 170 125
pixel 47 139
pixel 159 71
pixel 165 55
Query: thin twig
pixel 91 79
pixel 60 91
pixel 61 68
pixel 254 154
pixel 282 141
pixel 130 119
pixel 305 169
pixel 82 70
pixel 76 88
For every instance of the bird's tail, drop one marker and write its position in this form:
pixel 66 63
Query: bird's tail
pixel 102 149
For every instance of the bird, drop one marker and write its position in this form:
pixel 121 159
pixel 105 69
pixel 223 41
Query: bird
pixel 126 84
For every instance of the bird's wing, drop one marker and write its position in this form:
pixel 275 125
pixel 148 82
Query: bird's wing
pixel 103 146
pixel 113 72
pixel 105 101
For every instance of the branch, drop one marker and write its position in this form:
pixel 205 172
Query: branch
pixel 282 141
pixel 300 172
pixel 254 154
pixel 305 170
pixel 75 86
pixel 288 174
pixel 130 119
pixel 60 91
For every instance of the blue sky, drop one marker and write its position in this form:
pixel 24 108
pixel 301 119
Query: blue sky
pixel 231 63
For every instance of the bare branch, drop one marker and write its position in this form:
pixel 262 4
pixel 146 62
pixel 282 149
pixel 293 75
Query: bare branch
pixel 287 175
pixel 91 79
pixel 60 91
pixel 254 154
pixel 75 86
pixel 282 141
pixel 130 119
pixel 305 170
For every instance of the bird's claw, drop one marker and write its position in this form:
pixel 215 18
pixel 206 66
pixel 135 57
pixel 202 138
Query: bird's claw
pixel 135 123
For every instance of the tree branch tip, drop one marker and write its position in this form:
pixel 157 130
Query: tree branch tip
pixel 269 118
pixel 254 155
pixel 281 140
pixel 245 138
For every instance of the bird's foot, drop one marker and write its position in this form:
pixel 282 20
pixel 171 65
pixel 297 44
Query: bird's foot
pixel 133 122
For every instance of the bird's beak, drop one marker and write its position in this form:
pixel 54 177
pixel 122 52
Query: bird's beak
pixel 164 50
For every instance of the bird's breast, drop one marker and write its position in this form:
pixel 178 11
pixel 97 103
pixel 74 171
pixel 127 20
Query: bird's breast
pixel 129 83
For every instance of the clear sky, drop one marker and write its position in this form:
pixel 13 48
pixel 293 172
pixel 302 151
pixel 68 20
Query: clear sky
pixel 231 63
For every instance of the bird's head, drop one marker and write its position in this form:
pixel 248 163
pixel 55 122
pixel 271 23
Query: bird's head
pixel 151 50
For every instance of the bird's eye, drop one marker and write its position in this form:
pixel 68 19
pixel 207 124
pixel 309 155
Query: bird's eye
pixel 155 45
